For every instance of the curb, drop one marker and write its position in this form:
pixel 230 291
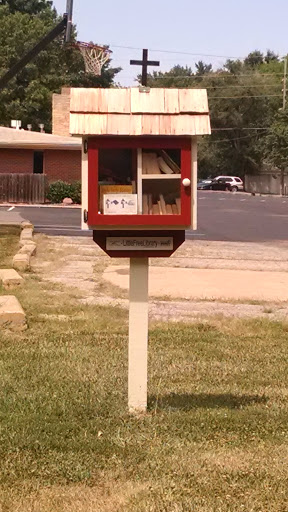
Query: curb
pixel 21 260
pixel 25 205
pixel 12 316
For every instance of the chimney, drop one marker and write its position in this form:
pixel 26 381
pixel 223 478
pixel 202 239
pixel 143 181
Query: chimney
pixel 29 127
pixel 41 126
pixel 61 112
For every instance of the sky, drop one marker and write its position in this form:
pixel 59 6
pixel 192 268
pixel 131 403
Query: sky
pixel 180 32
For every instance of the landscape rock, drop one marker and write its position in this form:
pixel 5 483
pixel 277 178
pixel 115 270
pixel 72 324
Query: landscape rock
pixel 28 248
pixel 26 224
pixel 12 316
pixel 67 201
pixel 21 261
pixel 10 278
pixel 26 234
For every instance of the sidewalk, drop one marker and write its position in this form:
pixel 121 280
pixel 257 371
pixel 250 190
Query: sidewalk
pixel 212 284
pixel 11 217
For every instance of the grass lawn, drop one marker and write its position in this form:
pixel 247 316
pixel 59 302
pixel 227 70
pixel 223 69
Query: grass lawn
pixel 214 438
pixel 9 240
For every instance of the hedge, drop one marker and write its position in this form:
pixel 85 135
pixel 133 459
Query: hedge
pixel 58 190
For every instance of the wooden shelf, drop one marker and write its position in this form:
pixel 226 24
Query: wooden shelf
pixel 161 176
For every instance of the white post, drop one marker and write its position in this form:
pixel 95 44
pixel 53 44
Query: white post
pixel 194 182
pixel 138 335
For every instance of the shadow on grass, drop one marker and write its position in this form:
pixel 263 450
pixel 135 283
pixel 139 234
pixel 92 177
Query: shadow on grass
pixel 187 401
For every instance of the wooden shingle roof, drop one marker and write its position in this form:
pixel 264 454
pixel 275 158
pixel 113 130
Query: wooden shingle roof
pixel 136 112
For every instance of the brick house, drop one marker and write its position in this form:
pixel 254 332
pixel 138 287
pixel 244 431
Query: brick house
pixel 58 157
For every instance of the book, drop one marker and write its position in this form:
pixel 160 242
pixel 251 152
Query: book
pixel 169 209
pixel 175 168
pixel 155 209
pixel 145 204
pixel 163 166
pixel 178 203
pixel 150 204
pixel 150 164
pixel 174 209
pixel 163 204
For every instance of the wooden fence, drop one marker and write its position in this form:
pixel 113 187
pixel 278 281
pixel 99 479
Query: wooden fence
pixel 22 188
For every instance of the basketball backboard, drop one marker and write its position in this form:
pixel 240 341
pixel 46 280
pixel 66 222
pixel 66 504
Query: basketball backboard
pixel 69 12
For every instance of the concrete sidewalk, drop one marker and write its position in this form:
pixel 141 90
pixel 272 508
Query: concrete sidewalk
pixel 11 217
pixel 216 284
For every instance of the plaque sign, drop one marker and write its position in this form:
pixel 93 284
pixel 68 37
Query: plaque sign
pixel 139 243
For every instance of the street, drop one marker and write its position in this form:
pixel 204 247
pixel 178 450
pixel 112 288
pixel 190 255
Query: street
pixel 222 216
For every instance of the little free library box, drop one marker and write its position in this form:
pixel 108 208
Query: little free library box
pixel 139 165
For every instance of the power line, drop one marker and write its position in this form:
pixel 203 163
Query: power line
pixel 241 97
pixel 220 75
pixel 209 77
pixel 238 128
pixel 234 139
pixel 236 86
pixel 177 52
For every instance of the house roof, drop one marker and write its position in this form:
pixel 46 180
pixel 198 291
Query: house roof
pixel 11 138
pixel 139 111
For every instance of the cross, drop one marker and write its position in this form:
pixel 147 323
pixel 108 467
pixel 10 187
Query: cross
pixel 144 63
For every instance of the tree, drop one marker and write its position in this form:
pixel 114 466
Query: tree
pixel 31 7
pixel 254 59
pixel 202 68
pixel 28 96
pixel 271 56
pixel 276 142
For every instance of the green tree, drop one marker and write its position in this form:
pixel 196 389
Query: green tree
pixel 254 59
pixel 29 95
pixel 202 68
pixel 276 142
pixel 271 56
pixel 27 6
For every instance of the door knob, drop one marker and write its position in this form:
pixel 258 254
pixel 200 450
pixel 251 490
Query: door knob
pixel 186 182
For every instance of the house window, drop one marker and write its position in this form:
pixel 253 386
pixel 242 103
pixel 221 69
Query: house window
pixel 38 162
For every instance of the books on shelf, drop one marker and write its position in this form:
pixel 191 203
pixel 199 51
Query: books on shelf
pixel 158 206
pixel 152 163
pixel 163 166
pixel 175 168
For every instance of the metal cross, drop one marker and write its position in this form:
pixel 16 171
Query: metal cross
pixel 144 63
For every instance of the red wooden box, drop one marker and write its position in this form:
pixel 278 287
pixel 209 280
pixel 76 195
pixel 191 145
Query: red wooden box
pixel 140 145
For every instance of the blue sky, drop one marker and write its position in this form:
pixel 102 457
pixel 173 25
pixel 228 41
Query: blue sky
pixel 212 30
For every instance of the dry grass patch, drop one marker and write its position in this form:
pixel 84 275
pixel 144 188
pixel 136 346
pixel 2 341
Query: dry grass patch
pixel 109 495
pixel 9 240
pixel 214 439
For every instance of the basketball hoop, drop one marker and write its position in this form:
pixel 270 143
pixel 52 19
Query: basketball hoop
pixel 94 56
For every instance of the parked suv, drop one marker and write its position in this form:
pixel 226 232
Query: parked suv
pixel 233 183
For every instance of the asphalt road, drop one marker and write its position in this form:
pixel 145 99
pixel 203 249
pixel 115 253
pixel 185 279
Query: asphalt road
pixel 221 216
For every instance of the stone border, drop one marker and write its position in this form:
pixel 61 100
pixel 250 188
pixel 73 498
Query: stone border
pixel 12 316
pixel 21 260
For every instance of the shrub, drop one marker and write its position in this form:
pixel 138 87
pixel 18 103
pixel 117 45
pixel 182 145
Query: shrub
pixel 75 192
pixel 58 190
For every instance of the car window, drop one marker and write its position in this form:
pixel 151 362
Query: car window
pixel 238 179
pixel 228 179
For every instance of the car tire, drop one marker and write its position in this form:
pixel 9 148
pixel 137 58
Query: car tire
pixel 234 189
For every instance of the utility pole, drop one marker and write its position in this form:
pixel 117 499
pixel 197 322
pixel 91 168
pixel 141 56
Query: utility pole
pixel 284 90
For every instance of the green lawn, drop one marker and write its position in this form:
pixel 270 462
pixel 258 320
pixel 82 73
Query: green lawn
pixel 214 439
pixel 9 240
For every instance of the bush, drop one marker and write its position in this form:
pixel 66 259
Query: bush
pixel 75 192
pixel 58 190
